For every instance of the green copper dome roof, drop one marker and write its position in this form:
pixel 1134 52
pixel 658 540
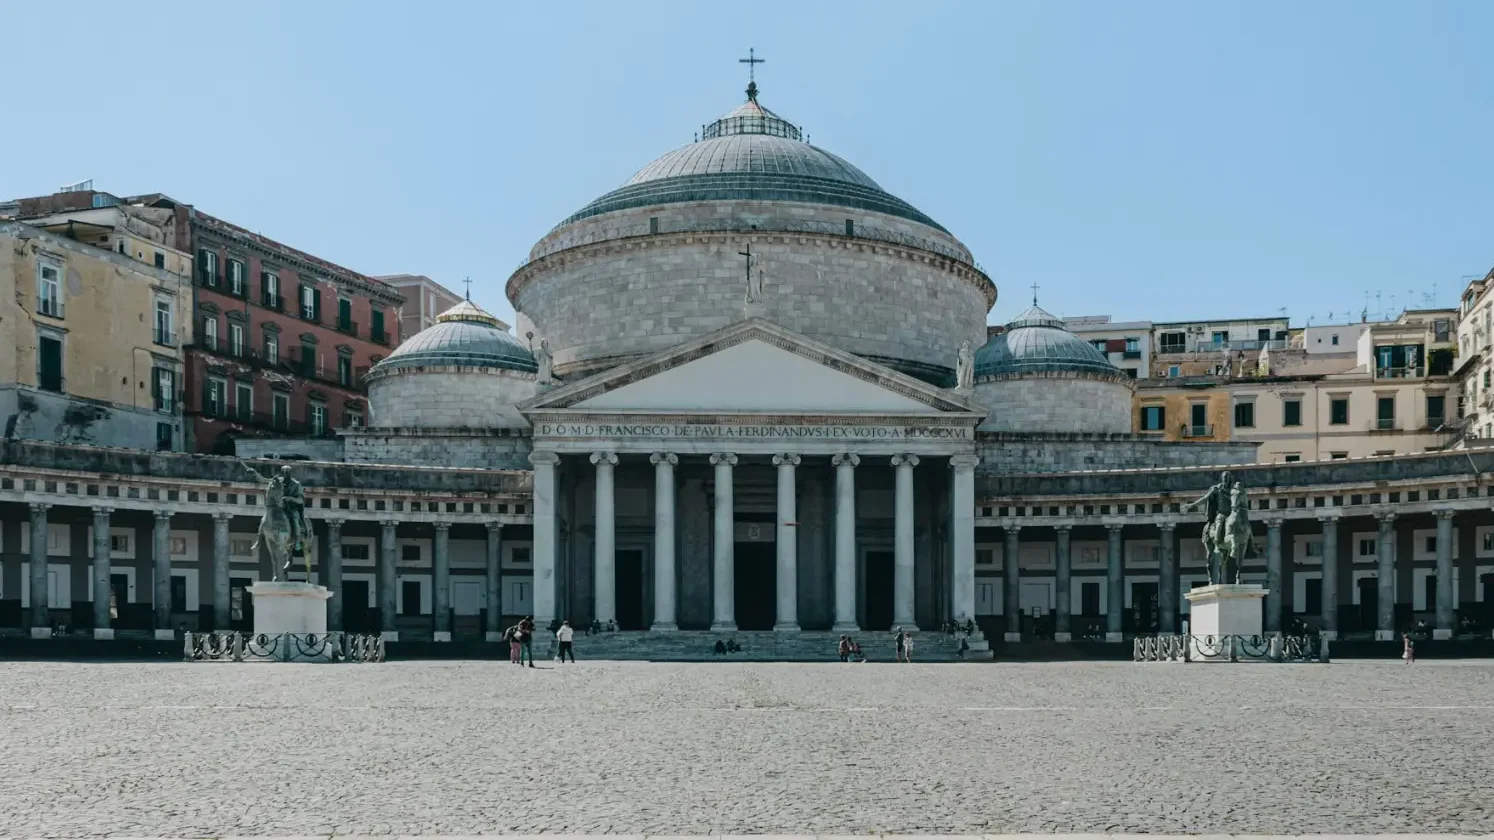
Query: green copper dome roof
pixel 752 154
pixel 463 336
pixel 1036 342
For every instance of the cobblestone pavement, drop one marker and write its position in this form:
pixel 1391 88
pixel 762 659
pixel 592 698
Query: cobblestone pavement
pixel 206 750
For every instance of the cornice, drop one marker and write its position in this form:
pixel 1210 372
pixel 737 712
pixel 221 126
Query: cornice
pixel 209 234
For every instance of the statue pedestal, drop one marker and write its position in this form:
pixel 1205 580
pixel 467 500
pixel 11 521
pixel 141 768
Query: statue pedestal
pixel 1221 611
pixel 284 609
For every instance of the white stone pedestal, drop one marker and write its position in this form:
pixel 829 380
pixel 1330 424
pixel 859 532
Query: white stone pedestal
pixel 299 608
pixel 103 633
pixel 1223 610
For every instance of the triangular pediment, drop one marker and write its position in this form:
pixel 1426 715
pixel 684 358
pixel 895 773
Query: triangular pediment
pixel 750 367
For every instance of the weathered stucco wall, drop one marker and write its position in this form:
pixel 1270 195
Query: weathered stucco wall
pixel 42 415
pixel 1058 453
pixel 474 448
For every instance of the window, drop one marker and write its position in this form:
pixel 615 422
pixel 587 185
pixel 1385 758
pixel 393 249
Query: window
pixel 355 551
pixel 160 260
pixel 1313 549
pixel 210 332
pixel 235 339
pixel 207 267
pixel 1291 457
pixel 1099 344
pixel 163 389
pixel 243 399
pixel 1338 456
pixel 308 365
pixel 1367 547
pixel 1153 418
pixel 1488 541
pixel 653 226
pixel 1219 338
pixel 1291 412
pixel 520 556
pixel 376 327
pixel 49 289
pixel 165 437
pixel 269 285
pixel 236 284
pixel 49 362
pixel 215 398
pixel 281 409
pixel 317 418
pixel 1172 342
pixel 1338 411
pixel 311 303
pixel 1385 413
pixel 236 600
pixel 1173 371
pixel 1334 342
pixel 1133 344
pixel 353 419
pixel 344 315
pixel 241 547
pixel 272 348
pixel 410 553
pixel 1436 410
pixel 164 333
pixel 1442 329
pixel 410 596
pixel 1431 543
pixel 345 371
pixel 1244 415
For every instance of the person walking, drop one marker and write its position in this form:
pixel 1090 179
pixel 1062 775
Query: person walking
pixel 511 635
pixel 844 649
pixel 1408 649
pixel 526 640
pixel 899 637
pixel 565 635
pixel 908 647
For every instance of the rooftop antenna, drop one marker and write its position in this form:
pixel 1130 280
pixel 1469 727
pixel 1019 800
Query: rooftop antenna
pixel 752 61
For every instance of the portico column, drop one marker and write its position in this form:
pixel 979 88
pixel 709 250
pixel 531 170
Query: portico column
pixel 1115 584
pixel 493 619
pixel 604 603
pixel 222 548
pixel 1445 592
pixel 1385 624
pixel 724 568
pixel 1167 588
pixel 161 581
pixel 1011 585
pixel 1273 576
pixel 102 628
pixel 1063 573
pixel 388 555
pixel 962 530
pixel 664 536
pixel 544 536
pixel 441 582
pixel 333 575
pixel 902 543
pixel 1330 577
pixel 788 545
pixel 41 619
pixel 845 541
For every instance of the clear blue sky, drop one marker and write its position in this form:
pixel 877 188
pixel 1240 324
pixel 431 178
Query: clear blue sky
pixel 1147 160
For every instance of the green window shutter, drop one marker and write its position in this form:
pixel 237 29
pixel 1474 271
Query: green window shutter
pixel 316 304
pixel 377 325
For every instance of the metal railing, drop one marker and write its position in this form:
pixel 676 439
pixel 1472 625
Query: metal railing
pixel 1408 372
pixel 1204 345
pixel 1195 431
pixel 1385 424
pixel 347 325
pixel 1267 647
pixel 282 647
pixel 164 337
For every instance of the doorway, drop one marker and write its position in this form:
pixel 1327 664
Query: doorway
pixel 756 581
pixel 355 607
pixel 1143 613
pixel 629 588
pixel 876 576
pixel 1369 603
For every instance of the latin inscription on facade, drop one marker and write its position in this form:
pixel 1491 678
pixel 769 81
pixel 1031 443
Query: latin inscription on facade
pixel 734 432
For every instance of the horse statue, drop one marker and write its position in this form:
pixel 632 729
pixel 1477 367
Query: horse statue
pixel 1216 503
pixel 1236 544
pixel 276 531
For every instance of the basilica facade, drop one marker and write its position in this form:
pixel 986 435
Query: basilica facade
pixel 748 390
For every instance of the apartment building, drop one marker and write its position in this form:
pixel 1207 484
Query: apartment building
pixel 1127 344
pixel 424 300
pixel 1213 348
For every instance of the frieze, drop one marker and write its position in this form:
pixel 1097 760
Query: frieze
pixel 739 431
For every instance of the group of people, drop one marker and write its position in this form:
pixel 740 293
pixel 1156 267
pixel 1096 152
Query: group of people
pixel 520 638
pixel 729 646
pixel 850 650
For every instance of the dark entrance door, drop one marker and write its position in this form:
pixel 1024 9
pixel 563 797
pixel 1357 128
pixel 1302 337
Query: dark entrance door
pixel 629 591
pixel 240 604
pixel 119 601
pixel 1487 619
pixel 1144 607
pixel 1369 603
pixel 878 580
pixel 355 607
pixel 756 585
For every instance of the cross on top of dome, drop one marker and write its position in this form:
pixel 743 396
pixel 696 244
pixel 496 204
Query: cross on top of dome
pixel 751 117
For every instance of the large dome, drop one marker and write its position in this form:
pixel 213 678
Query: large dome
pixel 1036 342
pixel 752 154
pixel 463 336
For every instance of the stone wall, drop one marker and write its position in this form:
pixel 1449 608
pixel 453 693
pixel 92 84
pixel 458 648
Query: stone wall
pixel 449 398
pixel 43 415
pixel 486 449
pixel 1055 404
pixel 600 304
pixel 1060 453
pixel 310 449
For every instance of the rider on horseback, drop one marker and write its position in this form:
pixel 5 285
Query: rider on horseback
pixel 1216 503
pixel 293 502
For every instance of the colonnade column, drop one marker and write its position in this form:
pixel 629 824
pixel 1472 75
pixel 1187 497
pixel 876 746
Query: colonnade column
pixel 544 536
pixel 493 618
pixel 41 619
pixel 788 545
pixel 388 554
pixel 1011 584
pixel 1385 623
pixel 1115 584
pixel 723 571
pixel 604 603
pixel 903 605
pixel 845 542
pixel 962 527
pixel 1167 586
pixel 1446 594
pixel 664 601
pixel 161 580
pixel 333 575
pixel 221 586
pixel 441 582
pixel 1329 608
pixel 102 621
pixel 1063 601
pixel 1273 576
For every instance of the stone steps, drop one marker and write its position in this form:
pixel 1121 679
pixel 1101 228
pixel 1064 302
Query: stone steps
pixel 759 646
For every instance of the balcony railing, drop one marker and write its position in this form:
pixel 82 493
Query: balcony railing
pixel 1400 372
pixel 165 337
pixel 379 336
pixel 1193 431
pixel 308 313
pixel 1385 424
pixel 50 307
pixel 1436 421
pixel 1204 345
pixel 347 325
pixel 275 302
pixel 1131 354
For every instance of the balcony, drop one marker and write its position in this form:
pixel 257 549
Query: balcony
pixel 308 314
pixel 1385 424
pixel 273 301
pixel 1204 345
pixel 1193 431
pixel 50 307
pixel 1131 354
pixel 347 325
pixel 164 337
pixel 1435 422
pixel 379 337
pixel 1415 372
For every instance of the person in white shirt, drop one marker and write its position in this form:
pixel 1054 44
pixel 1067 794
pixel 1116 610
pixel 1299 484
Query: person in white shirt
pixel 565 635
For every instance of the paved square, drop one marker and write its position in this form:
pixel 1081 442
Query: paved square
pixel 210 750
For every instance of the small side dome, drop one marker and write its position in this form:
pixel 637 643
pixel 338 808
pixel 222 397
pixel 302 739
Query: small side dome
pixel 1036 342
pixel 464 336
